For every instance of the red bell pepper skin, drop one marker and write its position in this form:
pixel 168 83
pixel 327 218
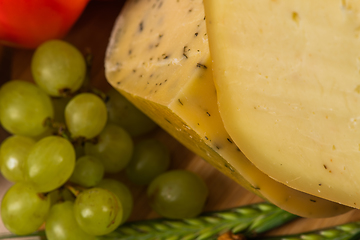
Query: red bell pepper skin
pixel 28 23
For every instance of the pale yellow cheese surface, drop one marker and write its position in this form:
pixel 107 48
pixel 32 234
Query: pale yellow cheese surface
pixel 158 57
pixel 287 74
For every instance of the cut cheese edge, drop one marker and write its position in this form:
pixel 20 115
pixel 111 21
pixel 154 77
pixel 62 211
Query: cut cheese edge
pixel 287 74
pixel 158 57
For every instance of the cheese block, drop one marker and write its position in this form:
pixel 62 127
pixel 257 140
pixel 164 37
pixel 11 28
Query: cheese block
pixel 158 57
pixel 287 74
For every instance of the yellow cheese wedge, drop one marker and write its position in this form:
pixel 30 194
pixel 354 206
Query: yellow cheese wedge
pixel 288 79
pixel 158 57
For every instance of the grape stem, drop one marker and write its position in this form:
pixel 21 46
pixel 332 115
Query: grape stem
pixel 60 129
pixel 87 87
pixel 88 60
pixel 74 190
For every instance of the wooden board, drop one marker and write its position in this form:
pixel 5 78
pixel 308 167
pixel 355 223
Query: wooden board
pixel 92 32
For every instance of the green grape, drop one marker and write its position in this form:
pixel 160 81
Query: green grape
pixel 23 210
pixel 13 154
pixel 58 67
pixel 79 150
pixel 177 194
pixel 150 159
pixel 60 195
pixel 50 163
pixel 88 171
pixel 122 192
pixel 123 113
pixel 114 148
pixel 61 224
pixel 59 105
pixel 54 196
pixel 98 211
pixel 23 108
pixel 67 195
pixel 85 115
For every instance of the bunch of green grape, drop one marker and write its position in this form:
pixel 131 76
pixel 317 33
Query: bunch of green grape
pixel 65 137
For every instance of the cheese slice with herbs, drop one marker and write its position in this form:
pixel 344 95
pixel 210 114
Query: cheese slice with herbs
pixel 288 79
pixel 158 57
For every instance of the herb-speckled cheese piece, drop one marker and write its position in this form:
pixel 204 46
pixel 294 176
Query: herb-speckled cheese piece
pixel 288 79
pixel 158 57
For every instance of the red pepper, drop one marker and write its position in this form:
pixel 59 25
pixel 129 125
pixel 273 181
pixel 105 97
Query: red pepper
pixel 28 23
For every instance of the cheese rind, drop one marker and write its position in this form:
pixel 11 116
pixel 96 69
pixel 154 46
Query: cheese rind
pixel 287 74
pixel 159 59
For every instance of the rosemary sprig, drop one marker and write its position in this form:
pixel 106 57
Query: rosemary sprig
pixel 348 231
pixel 249 220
